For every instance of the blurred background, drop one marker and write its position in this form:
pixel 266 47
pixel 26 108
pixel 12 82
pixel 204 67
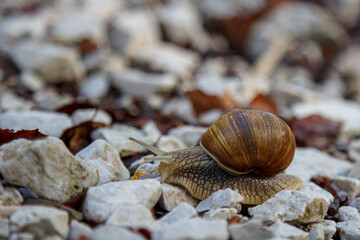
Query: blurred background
pixel 187 62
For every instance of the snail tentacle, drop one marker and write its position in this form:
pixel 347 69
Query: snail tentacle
pixel 152 149
pixel 164 159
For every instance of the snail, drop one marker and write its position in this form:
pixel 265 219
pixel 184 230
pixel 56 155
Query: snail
pixel 244 150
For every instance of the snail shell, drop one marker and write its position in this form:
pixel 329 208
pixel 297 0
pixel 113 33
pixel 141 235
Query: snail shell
pixel 246 140
pixel 252 146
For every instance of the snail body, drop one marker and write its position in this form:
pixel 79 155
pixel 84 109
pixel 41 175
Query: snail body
pixel 248 162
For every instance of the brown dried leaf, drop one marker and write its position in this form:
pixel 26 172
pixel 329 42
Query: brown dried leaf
pixel 7 135
pixel 315 131
pixel 264 103
pixel 72 107
pixel 78 137
pixel 202 102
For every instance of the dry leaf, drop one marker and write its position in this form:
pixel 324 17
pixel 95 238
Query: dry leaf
pixel 7 135
pixel 78 137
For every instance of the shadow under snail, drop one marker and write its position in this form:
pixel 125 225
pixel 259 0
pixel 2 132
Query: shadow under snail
pixel 244 150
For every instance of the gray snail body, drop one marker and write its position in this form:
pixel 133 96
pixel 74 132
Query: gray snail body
pixel 252 166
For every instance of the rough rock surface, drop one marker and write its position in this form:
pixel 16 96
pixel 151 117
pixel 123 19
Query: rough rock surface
pixel 130 216
pixel 170 143
pixel 91 114
pixel 118 136
pixel 78 229
pixel 190 135
pixel 129 81
pixel 222 198
pixel 54 63
pixel 115 233
pixel 41 221
pixel 313 190
pixel 349 230
pixel 196 228
pixel 221 213
pixel 250 230
pixel 182 211
pixel 172 196
pixel 168 58
pixel 287 231
pixel 305 166
pixel 105 158
pixel 46 167
pixel 291 207
pixel 101 201
pixel 10 196
pixel 347 213
pixel 345 185
pixel 49 123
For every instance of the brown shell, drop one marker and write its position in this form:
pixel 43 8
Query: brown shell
pixel 247 140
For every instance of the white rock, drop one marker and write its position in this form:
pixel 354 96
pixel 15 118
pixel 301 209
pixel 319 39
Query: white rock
pixel 182 211
pixel 355 203
pixel 221 198
pixel 349 186
pixel 118 136
pixel 354 150
pixel 349 230
pixel 75 26
pixel 31 81
pixel 355 171
pixel 133 30
pixel 183 25
pixel 317 232
pixel 4 227
pixel 54 63
pixel 10 196
pixel 50 99
pixel 19 25
pixel 114 233
pixel 345 111
pixel 196 228
pixel 291 207
pixel 91 114
pixel 250 230
pixel 105 61
pixel 168 58
pixel 172 196
pixel 209 117
pixel 95 86
pixel 101 201
pixel 22 236
pixel 190 135
pixel 129 81
pixel 41 221
pixel 316 23
pixel 137 163
pixel 182 108
pixel 310 162
pixel 314 191
pixel 329 227
pixel 228 9
pixel 9 101
pixel 78 229
pixel 106 10
pixel 49 123
pixel 288 232
pixel 150 169
pixel 170 143
pixel 105 158
pixel 221 213
pixel 347 213
pixel 46 167
pixel 136 216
